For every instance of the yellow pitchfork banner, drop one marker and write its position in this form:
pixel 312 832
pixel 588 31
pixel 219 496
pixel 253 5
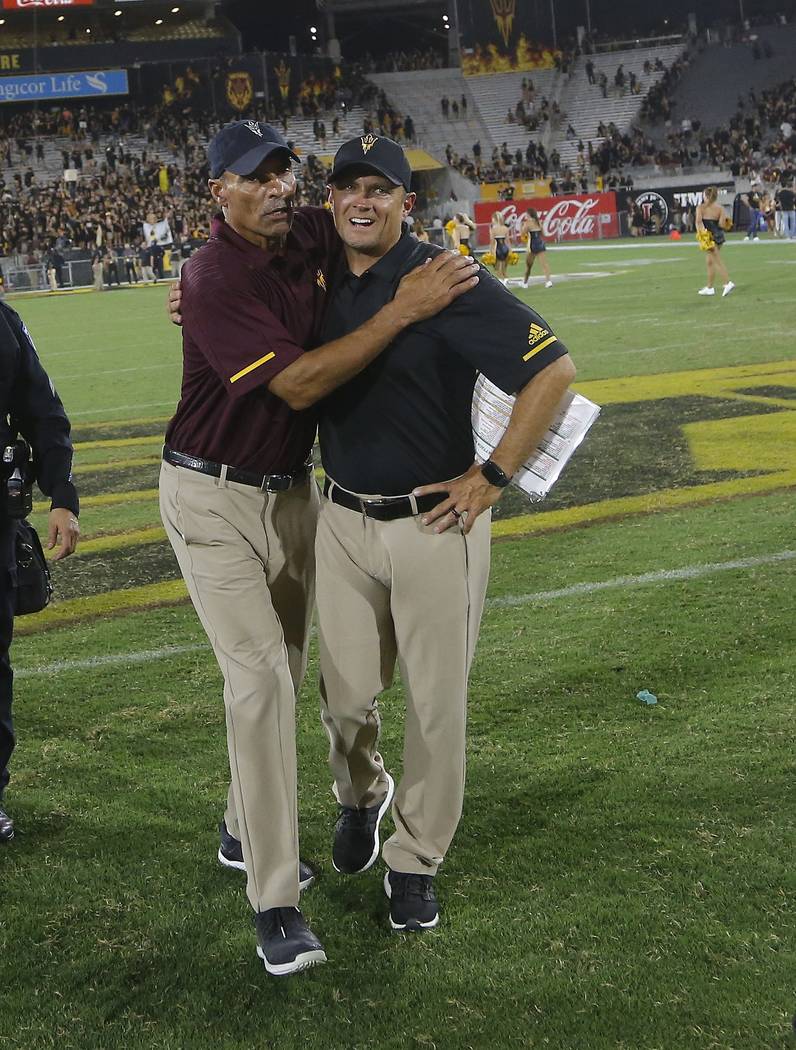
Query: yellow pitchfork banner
pixel 499 36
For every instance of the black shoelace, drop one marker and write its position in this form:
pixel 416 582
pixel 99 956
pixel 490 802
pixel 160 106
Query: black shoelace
pixel 413 886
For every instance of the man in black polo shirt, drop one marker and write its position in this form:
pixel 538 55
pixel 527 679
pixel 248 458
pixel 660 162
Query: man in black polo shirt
pixel 402 562
pixel 235 491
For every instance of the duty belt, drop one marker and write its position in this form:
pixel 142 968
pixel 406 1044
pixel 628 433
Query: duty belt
pixel 264 482
pixel 383 508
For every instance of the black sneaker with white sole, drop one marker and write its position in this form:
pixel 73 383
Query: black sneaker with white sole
pixel 230 855
pixel 356 834
pixel 6 827
pixel 413 903
pixel 285 943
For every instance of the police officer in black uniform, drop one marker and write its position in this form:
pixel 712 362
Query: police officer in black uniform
pixel 30 409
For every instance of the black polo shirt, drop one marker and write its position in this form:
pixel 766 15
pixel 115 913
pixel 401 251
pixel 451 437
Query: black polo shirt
pixel 405 420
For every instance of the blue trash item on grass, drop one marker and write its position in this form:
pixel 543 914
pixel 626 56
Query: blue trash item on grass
pixel 646 697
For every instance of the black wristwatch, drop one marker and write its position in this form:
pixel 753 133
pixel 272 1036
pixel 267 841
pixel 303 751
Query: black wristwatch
pixel 494 475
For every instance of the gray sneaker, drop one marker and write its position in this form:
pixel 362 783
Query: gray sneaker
pixel 285 943
pixel 356 834
pixel 230 855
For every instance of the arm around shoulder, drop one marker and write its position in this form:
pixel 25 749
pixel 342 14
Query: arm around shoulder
pixel 422 293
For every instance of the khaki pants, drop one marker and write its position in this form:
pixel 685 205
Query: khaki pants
pixel 388 590
pixel 247 558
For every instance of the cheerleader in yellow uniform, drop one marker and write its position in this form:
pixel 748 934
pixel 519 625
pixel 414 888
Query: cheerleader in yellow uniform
pixel 711 222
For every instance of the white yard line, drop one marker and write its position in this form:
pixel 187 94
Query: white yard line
pixel 114 371
pixel 643 247
pixel 143 656
pixel 94 349
pixel 689 572
pixel 123 408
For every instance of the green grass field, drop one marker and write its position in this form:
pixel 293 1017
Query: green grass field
pixel 623 876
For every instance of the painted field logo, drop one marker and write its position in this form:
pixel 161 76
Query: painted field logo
pixel 652 203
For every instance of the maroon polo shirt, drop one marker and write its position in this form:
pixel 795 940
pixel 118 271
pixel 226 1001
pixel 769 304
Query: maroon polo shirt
pixel 248 314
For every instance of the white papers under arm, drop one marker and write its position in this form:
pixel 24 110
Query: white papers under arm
pixel 490 417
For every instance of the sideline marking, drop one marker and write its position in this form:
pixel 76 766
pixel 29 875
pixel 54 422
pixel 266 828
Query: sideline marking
pixel 582 246
pixel 143 656
pixel 689 572
pixel 113 372
pixel 121 408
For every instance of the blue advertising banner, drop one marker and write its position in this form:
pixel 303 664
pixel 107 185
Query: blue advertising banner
pixel 64 85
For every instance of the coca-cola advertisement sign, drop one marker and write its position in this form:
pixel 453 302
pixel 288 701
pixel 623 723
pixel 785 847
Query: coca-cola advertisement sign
pixel 585 216
pixel 16 5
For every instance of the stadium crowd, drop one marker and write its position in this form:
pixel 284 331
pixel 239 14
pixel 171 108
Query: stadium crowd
pixel 757 138
pixel 85 179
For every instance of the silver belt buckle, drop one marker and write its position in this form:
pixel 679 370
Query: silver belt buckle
pixel 270 482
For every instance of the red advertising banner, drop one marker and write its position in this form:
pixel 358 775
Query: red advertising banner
pixel 17 5
pixel 585 216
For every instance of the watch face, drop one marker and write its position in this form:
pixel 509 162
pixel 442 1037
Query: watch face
pixel 494 475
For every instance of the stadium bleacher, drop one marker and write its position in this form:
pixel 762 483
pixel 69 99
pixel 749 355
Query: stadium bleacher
pixel 159 137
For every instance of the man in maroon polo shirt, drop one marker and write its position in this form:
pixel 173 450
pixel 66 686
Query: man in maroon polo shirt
pixel 237 498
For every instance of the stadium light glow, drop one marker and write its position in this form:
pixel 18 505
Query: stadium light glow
pixel 116 14
pixel 88 31
pixel 444 18
pixel 175 10
pixel 61 18
pixel 2 21
pixel 158 21
pixel 313 29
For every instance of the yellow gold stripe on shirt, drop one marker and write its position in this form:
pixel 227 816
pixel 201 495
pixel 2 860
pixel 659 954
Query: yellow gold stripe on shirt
pixel 541 346
pixel 250 368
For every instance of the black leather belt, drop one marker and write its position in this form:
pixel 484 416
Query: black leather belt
pixel 264 482
pixel 386 508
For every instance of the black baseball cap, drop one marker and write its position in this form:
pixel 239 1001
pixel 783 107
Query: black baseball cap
pixel 377 153
pixel 240 147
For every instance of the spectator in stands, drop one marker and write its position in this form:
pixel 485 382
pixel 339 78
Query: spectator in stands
pixel 445 106
pixel 590 71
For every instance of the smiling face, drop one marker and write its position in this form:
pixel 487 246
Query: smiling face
pixel 368 211
pixel 259 206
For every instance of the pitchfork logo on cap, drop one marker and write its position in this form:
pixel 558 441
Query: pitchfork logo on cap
pixel 254 127
pixel 368 142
